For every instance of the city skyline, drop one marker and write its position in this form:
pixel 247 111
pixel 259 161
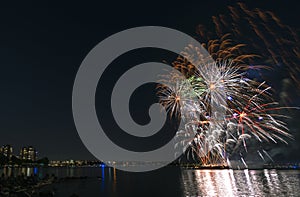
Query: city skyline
pixel 25 153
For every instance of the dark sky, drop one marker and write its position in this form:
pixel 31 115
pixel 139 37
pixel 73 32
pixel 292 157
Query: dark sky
pixel 42 45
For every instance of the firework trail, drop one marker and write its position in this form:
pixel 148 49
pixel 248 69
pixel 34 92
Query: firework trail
pixel 276 43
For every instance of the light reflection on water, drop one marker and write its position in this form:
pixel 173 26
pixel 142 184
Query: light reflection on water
pixel 171 181
pixel 241 182
pixel 13 172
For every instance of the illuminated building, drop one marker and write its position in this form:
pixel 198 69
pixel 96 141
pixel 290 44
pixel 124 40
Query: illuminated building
pixel 28 153
pixel 24 153
pixel 31 153
pixel 7 151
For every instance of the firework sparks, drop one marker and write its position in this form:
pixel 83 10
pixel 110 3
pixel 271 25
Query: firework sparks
pixel 276 43
pixel 225 84
pixel 249 109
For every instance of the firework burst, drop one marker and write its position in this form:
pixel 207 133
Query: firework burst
pixel 247 105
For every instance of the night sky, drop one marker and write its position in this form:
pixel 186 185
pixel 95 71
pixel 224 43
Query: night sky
pixel 42 45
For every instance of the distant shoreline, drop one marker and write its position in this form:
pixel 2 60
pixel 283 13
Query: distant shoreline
pixel 183 166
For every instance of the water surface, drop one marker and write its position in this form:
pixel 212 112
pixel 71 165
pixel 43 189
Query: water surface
pixel 169 181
